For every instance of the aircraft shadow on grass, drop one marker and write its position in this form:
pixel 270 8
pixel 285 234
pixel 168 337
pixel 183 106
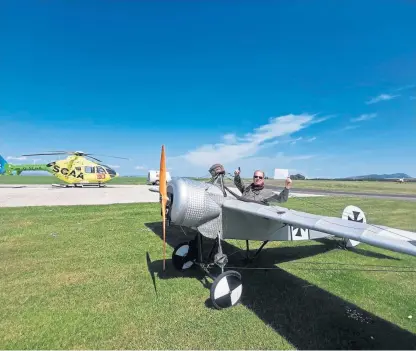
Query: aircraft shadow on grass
pixel 363 252
pixel 305 315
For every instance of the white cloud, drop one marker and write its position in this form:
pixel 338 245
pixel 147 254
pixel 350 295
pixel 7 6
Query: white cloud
pixel 364 117
pixel 295 140
pixel 230 138
pixel 21 158
pixel 381 97
pixel 348 128
pixel 406 87
pixel 140 167
pixel 114 166
pixel 249 145
pixel 268 164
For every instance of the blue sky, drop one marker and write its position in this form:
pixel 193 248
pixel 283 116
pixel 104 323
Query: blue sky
pixel 325 88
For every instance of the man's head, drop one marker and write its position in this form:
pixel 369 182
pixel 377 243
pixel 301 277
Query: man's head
pixel 258 178
pixel 216 169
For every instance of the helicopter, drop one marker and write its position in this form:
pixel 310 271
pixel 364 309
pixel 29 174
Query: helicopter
pixel 78 170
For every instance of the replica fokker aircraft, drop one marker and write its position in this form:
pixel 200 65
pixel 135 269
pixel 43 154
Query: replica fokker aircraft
pixel 216 212
pixel 76 169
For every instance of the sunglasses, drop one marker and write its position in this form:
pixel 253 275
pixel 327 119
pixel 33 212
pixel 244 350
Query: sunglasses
pixel 259 177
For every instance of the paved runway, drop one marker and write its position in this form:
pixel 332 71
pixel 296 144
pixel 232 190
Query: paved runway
pixel 17 195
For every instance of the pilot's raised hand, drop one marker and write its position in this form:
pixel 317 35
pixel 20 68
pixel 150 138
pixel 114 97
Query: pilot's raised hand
pixel 236 172
pixel 288 183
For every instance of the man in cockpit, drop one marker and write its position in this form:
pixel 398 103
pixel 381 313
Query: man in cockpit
pixel 256 191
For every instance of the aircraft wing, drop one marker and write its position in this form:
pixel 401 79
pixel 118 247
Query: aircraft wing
pixel 380 236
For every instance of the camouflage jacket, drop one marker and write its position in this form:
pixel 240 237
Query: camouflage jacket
pixel 263 195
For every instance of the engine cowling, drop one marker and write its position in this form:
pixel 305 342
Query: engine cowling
pixel 196 205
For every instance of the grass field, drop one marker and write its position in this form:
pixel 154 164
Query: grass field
pixel 81 277
pixel 343 186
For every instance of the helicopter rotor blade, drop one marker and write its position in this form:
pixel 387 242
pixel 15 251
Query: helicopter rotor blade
pixel 77 153
pixel 54 153
pixel 123 158
pixel 93 158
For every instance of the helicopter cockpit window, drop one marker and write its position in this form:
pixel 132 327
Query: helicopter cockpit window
pixel 100 170
pixel 89 169
pixel 110 170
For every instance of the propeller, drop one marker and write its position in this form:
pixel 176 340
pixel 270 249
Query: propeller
pixel 163 198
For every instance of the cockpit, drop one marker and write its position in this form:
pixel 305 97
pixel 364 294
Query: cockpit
pixel 102 169
pixel 110 171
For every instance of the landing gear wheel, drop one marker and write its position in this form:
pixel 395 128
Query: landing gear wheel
pixel 227 289
pixel 182 256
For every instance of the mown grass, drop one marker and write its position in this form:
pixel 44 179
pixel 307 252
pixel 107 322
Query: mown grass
pixel 80 277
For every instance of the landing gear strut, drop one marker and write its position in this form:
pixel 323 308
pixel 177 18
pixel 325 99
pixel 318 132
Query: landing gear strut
pixel 227 288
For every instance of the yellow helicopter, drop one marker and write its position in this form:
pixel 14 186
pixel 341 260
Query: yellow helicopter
pixel 77 169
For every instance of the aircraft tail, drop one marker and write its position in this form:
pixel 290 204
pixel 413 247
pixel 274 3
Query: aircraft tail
pixel 3 164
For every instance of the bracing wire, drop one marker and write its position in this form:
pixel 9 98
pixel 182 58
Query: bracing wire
pixel 332 211
pixel 220 183
pixel 327 269
pixel 296 213
pixel 329 210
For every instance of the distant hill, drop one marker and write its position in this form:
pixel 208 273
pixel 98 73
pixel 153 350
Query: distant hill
pixel 381 176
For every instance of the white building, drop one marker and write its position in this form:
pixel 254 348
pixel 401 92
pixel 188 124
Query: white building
pixel 280 173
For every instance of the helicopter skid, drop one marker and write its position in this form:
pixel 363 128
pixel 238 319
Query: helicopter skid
pixel 90 185
pixel 80 185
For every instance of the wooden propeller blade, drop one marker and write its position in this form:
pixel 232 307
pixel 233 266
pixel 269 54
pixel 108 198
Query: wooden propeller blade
pixel 164 198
